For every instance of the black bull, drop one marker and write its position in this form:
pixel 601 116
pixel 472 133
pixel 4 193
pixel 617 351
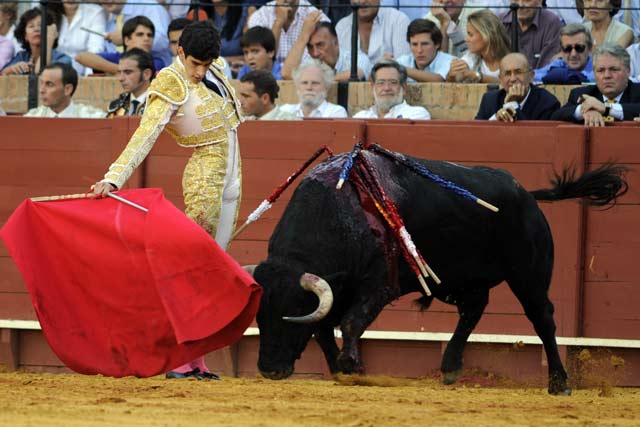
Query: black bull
pixel 326 235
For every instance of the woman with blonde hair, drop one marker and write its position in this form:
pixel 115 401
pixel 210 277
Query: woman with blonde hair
pixel 487 43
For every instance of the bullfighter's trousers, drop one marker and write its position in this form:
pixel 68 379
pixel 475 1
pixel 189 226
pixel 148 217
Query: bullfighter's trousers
pixel 211 187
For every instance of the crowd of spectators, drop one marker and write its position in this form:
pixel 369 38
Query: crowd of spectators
pixel 309 42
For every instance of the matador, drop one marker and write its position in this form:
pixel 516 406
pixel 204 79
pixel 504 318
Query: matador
pixel 197 105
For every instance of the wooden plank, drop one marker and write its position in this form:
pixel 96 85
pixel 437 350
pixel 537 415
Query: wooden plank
pixel 611 310
pixel 10 278
pixel 615 143
pixel 532 145
pixel 16 305
pixel 609 262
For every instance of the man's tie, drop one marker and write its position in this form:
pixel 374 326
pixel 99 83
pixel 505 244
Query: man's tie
pixel 134 107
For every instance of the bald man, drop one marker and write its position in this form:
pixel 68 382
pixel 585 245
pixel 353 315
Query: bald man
pixel 517 99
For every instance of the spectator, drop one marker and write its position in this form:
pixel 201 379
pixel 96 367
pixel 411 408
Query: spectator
pixel 28 34
pixel 566 10
pixel 137 32
pixel 285 19
pixel 73 38
pixel 634 54
pixel 135 72
pixel 321 41
pixel 574 64
pixel 613 97
pixel 451 18
pixel 259 48
pixel 174 32
pixel 630 16
pixel 230 18
pixel 603 28
pixel 58 83
pixel 488 43
pixel 426 63
pixel 8 14
pixel 389 81
pixel 414 9
pixel 313 80
pixel 381 31
pixel 334 9
pixel 539 31
pixel 258 94
pixel 176 8
pixel 120 11
pixel 518 99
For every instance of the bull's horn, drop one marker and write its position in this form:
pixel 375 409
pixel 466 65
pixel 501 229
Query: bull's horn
pixel 320 287
pixel 249 268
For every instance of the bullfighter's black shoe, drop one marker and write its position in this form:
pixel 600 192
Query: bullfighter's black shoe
pixel 207 376
pixel 173 375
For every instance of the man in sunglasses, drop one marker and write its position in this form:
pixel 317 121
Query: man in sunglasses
pixel 518 99
pixel 574 65
pixel 614 97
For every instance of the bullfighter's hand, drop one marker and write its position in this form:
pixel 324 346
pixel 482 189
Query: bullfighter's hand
pixel 516 93
pixel 507 115
pixel 593 118
pixel 636 119
pixel 100 190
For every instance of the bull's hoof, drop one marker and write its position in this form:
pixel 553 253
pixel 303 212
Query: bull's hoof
pixel 449 378
pixel 348 365
pixel 560 390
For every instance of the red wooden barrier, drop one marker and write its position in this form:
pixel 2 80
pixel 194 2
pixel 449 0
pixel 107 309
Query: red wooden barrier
pixel 49 156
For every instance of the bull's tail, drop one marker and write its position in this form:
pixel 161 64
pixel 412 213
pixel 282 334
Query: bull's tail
pixel 600 186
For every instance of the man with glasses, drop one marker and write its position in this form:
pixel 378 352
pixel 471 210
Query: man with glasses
pixel 614 96
pixel 518 99
pixel 574 65
pixel 389 80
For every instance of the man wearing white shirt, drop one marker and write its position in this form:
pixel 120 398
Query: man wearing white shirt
pixel 313 80
pixel 73 39
pixel 613 97
pixel 389 80
pixel 58 82
pixel 321 42
pixel 121 11
pixel 426 63
pixel 381 31
pixel 414 9
pixel 285 18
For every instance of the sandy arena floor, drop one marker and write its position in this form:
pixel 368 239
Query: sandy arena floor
pixel 75 400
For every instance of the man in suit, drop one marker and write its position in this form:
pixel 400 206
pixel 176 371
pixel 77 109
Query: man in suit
pixel 518 99
pixel 614 96
pixel 135 72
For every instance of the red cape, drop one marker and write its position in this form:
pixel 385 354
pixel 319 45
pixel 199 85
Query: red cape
pixel 121 292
